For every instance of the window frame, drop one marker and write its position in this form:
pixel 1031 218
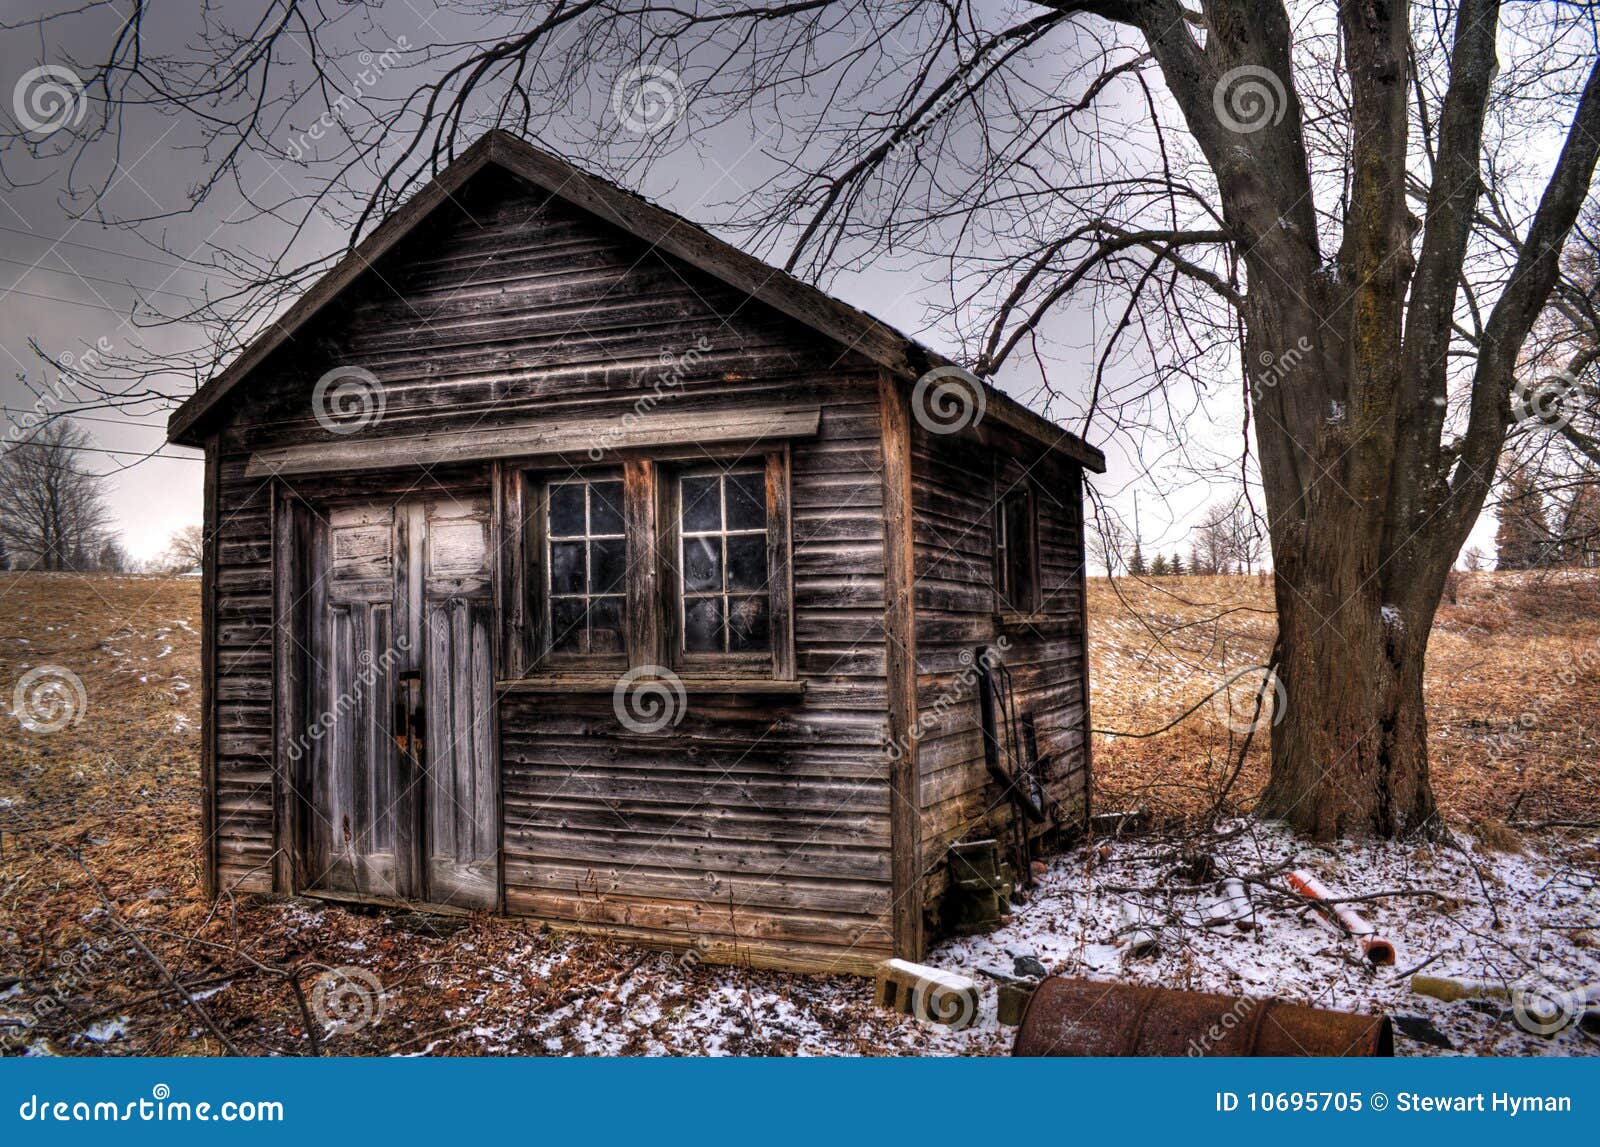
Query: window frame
pixel 546 656
pixel 1008 601
pixel 653 596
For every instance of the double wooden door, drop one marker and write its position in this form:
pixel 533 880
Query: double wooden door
pixel 402 762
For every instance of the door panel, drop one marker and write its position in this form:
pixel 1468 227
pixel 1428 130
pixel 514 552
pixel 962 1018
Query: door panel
pixel 404 803
pixel 362 808
pixel 458 620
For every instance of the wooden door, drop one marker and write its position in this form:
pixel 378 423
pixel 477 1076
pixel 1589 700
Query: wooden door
pixel 402 764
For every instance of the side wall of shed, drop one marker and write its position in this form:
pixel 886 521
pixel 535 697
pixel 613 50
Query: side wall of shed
pixel 958 481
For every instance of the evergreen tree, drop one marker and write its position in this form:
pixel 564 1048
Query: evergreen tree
pixel 1176 565
pixel 1523 537
pixel 1136 564
pixel 1158 568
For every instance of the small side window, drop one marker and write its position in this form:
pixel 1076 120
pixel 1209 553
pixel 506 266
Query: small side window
pixel 1016 552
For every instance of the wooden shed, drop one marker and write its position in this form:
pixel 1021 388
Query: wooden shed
pixel 563 560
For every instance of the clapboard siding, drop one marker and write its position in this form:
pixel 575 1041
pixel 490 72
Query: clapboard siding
pixel 957 481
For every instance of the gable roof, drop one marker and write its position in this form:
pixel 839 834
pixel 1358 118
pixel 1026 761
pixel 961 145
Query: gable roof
pixel 665 230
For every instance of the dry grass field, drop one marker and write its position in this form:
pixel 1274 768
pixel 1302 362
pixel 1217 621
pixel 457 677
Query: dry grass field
pixel 107 947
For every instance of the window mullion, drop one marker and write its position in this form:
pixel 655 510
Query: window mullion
pixel 642 583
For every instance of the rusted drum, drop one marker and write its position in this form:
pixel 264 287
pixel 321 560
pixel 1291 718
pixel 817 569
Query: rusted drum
pixel 1082 1017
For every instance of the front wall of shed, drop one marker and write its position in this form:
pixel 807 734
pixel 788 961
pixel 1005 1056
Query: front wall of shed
pixel 959 478
pixel 759 826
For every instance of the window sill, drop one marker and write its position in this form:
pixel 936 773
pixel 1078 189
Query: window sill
pixel 592 683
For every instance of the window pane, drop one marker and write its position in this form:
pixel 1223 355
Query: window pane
pixel 702 625
pixel 749 626
pixel 566 624
pixel 702 506
pixel 566 510
pixel 608 565
pixel 747 501
pixel 566 567
pixel 747 561
pixel 605 625
pixel 702 564
pixel 605 508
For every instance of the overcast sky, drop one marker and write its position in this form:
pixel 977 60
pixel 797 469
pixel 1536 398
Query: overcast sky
pixel 68 283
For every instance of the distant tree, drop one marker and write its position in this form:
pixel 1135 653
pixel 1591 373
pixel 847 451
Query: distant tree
pixel 1176 564
pixel 1577 530
pixel 52 511
pixel 186 550
pixel 1523 538
pixel 1159 567
pixel 112 558
pixel 1136 564
pixel 1196 565
pixel 1473 559
pixel 1110 540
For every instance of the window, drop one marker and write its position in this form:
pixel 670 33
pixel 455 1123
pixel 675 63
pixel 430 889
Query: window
pixel 674 561
pixel 1016 552
pixel 723 600
pixel 586 559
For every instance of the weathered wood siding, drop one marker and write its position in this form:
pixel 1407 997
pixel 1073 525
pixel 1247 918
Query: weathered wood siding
pixel 759 824
pixel 958 480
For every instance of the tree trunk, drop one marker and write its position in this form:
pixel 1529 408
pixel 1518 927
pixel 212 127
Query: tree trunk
pixel 1350 753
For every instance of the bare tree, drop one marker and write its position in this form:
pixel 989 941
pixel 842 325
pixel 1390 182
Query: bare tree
pixel 1109 542
pixel 1347 199
pixel 52 511
pixel 186 549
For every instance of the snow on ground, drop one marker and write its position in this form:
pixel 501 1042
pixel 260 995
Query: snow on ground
pixel 1074 923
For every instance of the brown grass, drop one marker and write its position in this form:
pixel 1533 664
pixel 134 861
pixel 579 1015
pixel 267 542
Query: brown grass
pixel 120 789
pixel 1513 682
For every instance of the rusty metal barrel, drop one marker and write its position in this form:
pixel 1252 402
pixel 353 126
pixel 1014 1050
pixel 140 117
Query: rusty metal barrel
pixel 1083 1017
